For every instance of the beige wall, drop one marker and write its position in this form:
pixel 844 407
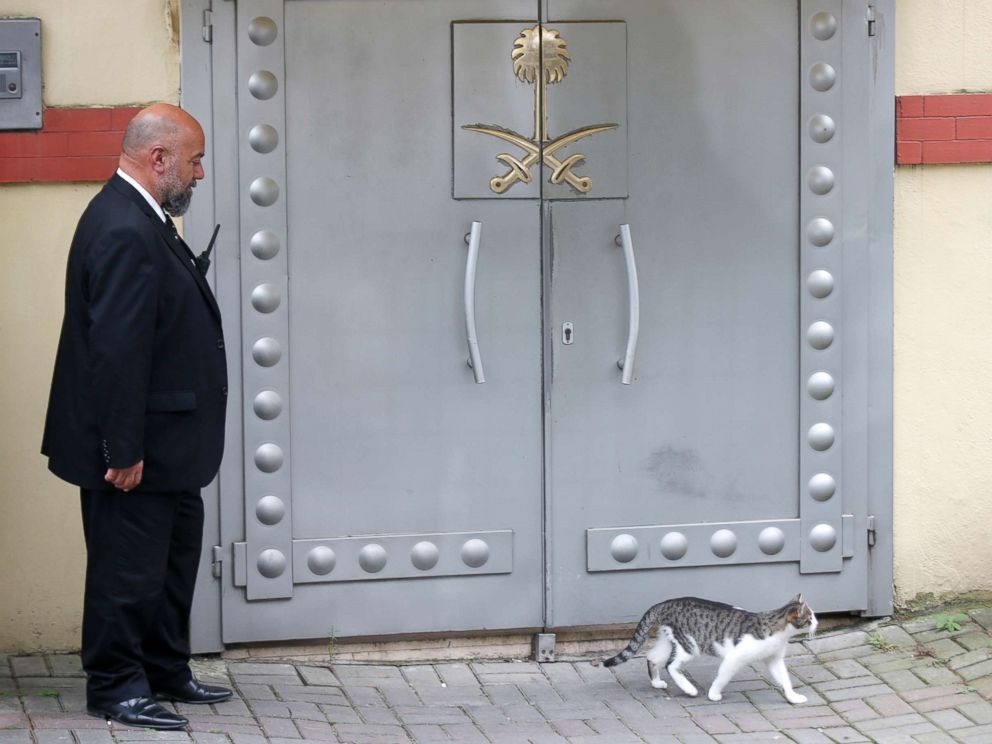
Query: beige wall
pixel 131 44
pixel 943 316
pixel 943 312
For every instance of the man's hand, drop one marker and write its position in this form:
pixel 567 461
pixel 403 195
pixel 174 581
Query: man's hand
pixel 125 478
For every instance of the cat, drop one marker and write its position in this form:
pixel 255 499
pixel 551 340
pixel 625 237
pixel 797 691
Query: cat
pixel 689 626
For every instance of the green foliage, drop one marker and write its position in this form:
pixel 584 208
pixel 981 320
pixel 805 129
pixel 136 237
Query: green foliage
pixel 878 643
pixel 950 623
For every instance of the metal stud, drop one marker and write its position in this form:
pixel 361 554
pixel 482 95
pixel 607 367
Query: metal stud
pixel 820 283
pixel 723 543
pixel 820 231
pixel 263 138
pixel 268 457
pixel 264 191
pixel 822 487
pixel 475 553
pixel 820 335
pixel 424 555
pixel 263 85
pixel 321 560
pixel 271 563
pixel 674 545
pixel 822 76
pixel 820 436
pixel 265 298
pixel 820 180
pixel 264 244
pixel 262 31
pixel 823 537
pixel 266 352
pixel 823 26
pixel 372 558
pixel 270 510
pixel 822 128
pixel 624 548
pixel 771 540
pixel 267 405
pixel 820 385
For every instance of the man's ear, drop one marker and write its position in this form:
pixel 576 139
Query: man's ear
pixel 157 157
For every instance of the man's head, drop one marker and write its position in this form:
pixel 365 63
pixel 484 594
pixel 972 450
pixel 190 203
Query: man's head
pixel 162 149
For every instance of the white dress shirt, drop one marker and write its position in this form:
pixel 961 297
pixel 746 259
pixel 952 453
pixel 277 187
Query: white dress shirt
pixel 141 190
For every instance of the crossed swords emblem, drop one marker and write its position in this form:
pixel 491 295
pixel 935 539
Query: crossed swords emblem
pixel 540 57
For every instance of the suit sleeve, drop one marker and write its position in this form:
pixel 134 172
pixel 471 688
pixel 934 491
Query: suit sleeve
pixel 123 296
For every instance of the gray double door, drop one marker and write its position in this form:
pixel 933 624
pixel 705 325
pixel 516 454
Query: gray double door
pixel 388 486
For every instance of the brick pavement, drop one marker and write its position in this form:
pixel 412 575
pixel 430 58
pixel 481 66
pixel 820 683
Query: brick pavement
pixel 878 682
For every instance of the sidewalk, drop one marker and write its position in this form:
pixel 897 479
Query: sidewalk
pixel 889 682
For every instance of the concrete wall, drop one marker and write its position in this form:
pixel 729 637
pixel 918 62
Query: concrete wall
pixel 943 310
pixel 132 46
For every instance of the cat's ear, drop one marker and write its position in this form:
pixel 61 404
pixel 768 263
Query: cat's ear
pixel 798 599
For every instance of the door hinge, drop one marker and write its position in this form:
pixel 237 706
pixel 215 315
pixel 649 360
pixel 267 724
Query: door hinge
pixel 872 29
pixel 216 560
pixel 208 26
pixel 871 532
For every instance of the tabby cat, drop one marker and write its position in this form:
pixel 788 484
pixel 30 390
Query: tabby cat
pixel 688 627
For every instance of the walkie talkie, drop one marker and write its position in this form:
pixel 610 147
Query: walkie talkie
pixel 203 260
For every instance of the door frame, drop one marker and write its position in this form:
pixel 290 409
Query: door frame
pixel 869 110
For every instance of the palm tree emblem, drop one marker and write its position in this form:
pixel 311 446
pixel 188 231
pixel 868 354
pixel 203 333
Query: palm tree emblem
pixel 540 57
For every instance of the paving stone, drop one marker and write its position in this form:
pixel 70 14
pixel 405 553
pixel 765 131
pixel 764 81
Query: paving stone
pixel 855 710
pixel 66 665
pixel 946 702
pixel 847 669
pixel 365 734
pixel 968 658
pixel 464 733
pixel 507 667
pixel 255 692
pixel 813 673
pixel 28 666
pixel 979 712
pixel 982 616
pixel 201 737
pixel 319 695
pixel 15 736
pixel 243 668
pixel 888 662
pixel 889 705
pixel 377 714
pixel 854 652
pixel 890 722
pixel 936 675
pixel 562 674
pixel 974 640
pixel 281 727
pixel 846 684
pixel 902 680
pixel 437 715
pixel 834 642
pixel 976 670
pixel 850 693
pixel 895 635
pixel 54 736
pixel 319 676
pixel 844 734
pixel 934 737
pixel 949 719
pixel 93 736
pixel 340 714
pixel 807 736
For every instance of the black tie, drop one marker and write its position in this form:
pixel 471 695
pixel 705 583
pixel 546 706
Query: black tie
pixel 175 236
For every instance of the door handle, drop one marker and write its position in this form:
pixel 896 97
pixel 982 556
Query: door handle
pixel 626 363
pixel 473 239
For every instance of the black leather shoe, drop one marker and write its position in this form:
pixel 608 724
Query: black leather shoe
pixel 193 693
pixel 140 711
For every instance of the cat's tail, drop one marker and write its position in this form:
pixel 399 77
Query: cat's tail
pixel 641 633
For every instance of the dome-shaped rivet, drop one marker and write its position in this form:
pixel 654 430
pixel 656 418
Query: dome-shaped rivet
pixel 263 85
pixel 265 298
pixel 822 76
pixel 267 405
pixel 372 558
pixel 822 128
pixel 822 487
pixel 820 283
pixel 723 543
pixel 263 138
pixel 266 352
pixel 264 191
pixel 475 553
pixel 820 385
pixel 674 545
pixel 823 26
pixel 820 335
pixel 822 537
pixel 771 540
pixel 268 457
pixel 424 555
pixel 624 548
pixel 321 560
pixel 270 510
pixel 820 231
pixel 262 31
pixel 820 436
pixel 820 179
pixel 271 563
pixel 264 244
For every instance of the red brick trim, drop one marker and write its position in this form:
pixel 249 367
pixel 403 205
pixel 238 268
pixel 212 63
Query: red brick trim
pixel 75 144
pixel 944 129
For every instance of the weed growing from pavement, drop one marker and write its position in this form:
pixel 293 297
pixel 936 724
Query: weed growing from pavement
pixel 949 623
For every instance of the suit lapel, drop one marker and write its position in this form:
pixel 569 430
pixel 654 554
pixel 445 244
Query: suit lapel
pixel 171 239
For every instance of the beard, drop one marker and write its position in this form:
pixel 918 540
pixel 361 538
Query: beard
pixel 177 194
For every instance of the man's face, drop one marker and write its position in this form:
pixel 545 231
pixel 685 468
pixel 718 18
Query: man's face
pixel 182 173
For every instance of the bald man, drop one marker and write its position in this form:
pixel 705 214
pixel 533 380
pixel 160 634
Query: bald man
pixel 136 420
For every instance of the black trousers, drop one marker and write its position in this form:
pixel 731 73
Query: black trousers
pixel 142 555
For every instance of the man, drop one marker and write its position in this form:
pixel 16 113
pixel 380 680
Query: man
pixel 136 420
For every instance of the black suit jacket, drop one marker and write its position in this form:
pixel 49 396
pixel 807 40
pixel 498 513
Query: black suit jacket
pixel 141 370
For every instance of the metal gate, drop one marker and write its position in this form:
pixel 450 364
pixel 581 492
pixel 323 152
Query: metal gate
pixel 551 310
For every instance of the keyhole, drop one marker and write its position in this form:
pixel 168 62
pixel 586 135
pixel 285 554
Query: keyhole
pixel 566 333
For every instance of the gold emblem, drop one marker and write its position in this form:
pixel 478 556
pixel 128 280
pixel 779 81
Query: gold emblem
pixel 540 57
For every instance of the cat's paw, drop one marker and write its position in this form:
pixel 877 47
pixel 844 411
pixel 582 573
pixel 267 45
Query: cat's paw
pixel 795 698
pixel 716 697
pixel 690 690
pixel 659 684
